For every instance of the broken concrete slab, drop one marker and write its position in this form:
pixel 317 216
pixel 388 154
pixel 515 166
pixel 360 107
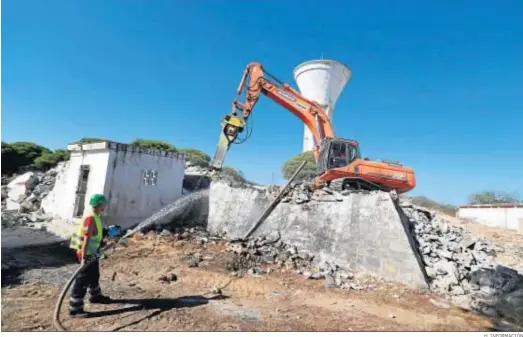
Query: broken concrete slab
pixel 361 232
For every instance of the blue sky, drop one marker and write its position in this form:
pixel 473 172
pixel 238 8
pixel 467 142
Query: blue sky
pixel 436 85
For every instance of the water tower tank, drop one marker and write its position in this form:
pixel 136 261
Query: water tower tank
pixel 321 81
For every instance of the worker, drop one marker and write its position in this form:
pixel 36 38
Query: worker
pixel 87 241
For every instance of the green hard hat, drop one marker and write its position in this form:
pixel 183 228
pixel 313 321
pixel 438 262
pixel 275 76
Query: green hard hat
pixel 97 200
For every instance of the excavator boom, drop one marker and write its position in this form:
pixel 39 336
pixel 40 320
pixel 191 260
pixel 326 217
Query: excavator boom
pixel 254 83
pixel 338 160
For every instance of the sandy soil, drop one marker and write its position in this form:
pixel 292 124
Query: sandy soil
pixel 280 301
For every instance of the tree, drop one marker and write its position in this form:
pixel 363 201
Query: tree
pixel 49 160
pixel 493 197
pixel 153 144
pixel 196 157
pixel 309 170
pixel 19 154
pixel 234 174
pixel 88 140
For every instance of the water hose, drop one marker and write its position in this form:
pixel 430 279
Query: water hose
pixel 56 316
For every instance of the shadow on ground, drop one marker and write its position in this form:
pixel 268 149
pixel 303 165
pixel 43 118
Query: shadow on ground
pixel 16 261
pixel 159 305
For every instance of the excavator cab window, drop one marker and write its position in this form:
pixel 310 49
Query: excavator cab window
pixel 338 155
pixel 335 153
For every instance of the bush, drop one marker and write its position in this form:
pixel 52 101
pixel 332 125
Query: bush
pixel 493 197
pixel 307 173
pixel 234 174
pixel 19 154
pixel 196 157
pixel 50 160
pixel 153 144
pixel 88 140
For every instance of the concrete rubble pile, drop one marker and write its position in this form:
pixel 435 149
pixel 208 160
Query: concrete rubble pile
pixel 303 193
pixel 263 255
pixel 22 198
pixel 463 268
pixel 25 192
pixel 459 266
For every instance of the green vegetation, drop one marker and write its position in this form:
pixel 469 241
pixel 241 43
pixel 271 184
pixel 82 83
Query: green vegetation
pixel 50 160
pixel 234 174
pixel 494 197
pixel 88 140
pixel 196 157
pixel 153 144
pixel 20 156
pixel 479 198
pixel 291 165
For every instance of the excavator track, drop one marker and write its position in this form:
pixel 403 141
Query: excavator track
pixel 354 184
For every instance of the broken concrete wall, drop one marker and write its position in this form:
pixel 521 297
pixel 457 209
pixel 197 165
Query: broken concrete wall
pixel 360 232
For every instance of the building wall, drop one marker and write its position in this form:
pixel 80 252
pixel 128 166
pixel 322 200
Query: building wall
pixel 503 217
pixel 130 199
pixel 60 201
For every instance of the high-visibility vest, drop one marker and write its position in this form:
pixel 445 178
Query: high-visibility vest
pixel 93 242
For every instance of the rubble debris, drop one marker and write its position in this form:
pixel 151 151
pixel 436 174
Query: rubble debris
pixel 303 193
pixel 457 264
pixel 37 220
pixel 511 306
pixel 461 267
pixel 25 192
pixel 261 255
pixel 168 279
pixel 198 178
pixel 193 259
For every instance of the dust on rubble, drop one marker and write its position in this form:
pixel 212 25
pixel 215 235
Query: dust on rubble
pixel 181 282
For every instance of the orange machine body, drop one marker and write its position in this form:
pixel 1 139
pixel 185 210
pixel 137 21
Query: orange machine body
pixel 379 174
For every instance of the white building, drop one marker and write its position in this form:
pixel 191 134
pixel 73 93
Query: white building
pixel 136 181
pixel 508 216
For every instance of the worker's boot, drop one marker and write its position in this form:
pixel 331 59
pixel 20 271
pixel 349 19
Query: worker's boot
pixel 78 313
pixel 100 299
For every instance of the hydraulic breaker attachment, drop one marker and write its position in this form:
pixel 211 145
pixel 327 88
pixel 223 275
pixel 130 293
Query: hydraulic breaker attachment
pixel 231 126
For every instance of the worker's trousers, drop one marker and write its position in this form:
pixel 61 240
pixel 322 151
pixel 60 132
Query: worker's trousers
pixel 88 279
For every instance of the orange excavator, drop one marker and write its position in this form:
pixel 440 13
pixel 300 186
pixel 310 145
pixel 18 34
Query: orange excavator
pixel 338 160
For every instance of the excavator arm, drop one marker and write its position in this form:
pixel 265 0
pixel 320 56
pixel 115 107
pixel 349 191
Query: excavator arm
pixel 254 83
pixel 338 161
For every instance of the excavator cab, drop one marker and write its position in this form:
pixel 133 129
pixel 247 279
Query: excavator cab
pixel 336 153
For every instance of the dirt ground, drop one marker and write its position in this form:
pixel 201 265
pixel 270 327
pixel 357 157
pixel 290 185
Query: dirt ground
pixel 279 301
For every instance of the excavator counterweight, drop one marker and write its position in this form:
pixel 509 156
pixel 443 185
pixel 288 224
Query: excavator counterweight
pixel 339 163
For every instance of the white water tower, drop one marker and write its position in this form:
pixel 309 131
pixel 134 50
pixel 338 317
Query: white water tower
pixel 321 81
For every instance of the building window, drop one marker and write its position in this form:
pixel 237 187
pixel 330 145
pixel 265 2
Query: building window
pixel 150 177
